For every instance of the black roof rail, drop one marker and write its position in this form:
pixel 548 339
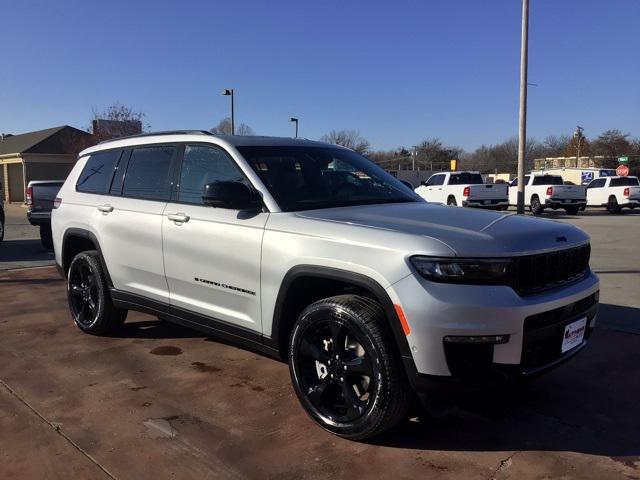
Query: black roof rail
pixel 154 134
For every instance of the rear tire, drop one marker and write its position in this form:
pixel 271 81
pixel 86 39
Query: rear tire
pixel 89 298
pixel 572 210
pixel 345 369
pixel 612 205
pixel 451 201
pixel 535 206
pixel 46 237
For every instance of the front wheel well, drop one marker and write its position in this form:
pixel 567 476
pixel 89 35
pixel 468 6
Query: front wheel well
pixel 299 294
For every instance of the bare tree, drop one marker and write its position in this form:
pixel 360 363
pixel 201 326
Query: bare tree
pixel 555 145
pixel 116 121
pixel 612 143
pixel 347 138
pixel 224 128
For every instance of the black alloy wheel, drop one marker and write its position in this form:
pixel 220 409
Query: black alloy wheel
pixel 88 295
pixel 336 371
pixel 347 376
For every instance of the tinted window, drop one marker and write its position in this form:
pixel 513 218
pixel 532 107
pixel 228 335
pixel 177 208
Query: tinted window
pixel 436 180
pixel 148 173
pixel 624 182
pixel 599 183
pixel 465 179
pixel 548 180
pixel 118 176
pixel 304 178
pixel 202 165
pixel 96 174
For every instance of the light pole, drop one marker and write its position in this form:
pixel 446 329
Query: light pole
pixel 295 120
pixel 578 135
pixel 227 92
pixel 522 130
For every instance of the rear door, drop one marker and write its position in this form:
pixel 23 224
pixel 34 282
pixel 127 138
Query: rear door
pixel 129 220
pixel 212 255
pixel 596 192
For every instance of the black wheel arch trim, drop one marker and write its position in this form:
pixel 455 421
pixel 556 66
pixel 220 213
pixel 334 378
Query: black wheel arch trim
pixel 356 279
pixel 87 235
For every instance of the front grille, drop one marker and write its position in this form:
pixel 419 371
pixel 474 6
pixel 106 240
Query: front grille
pixel 543 332
pixel 534 273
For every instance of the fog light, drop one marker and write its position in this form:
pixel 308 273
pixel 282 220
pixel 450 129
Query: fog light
pixel 475 340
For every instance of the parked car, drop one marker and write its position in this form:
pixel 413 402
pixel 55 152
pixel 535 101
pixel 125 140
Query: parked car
pixel 369 292
pixel 1 213
pixel 614 193
pixel 40 197
pixel 549 191
pixel 466 189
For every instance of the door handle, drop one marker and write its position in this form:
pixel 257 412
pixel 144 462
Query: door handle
pixel 106 208
pixel 178 217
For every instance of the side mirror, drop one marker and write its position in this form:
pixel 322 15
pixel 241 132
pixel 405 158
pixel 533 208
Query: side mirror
pixel 232 195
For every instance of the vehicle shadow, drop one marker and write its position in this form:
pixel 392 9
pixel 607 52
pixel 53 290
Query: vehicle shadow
pixel 155 329
pixel 589 405
pixel 23 250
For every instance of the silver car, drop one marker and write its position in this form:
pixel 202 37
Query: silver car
pixel 311 253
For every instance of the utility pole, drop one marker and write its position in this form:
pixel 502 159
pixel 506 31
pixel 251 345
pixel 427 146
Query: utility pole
pixel 522 130
pixel 579 137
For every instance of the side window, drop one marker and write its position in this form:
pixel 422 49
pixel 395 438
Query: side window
pixel 202 165
pixel 97 172
pixel 598 183
pixel 118 176
pixel 149 173
pixel 436 180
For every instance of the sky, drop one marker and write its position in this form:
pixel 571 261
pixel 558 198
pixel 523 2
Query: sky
pixel 396 71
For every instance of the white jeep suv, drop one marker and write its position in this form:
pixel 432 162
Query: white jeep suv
pixel 311 253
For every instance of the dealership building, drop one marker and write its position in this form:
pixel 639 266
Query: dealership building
pixel 42 155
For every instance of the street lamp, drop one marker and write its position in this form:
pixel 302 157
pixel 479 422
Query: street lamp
pixel 229 92
pixel 295 120
pixel 578 136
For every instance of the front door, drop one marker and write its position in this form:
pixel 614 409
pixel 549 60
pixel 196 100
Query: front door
pixel 212 255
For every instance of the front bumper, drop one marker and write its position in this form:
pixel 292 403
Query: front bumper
pixel 435 311
pixel 492 203
pixel 563 202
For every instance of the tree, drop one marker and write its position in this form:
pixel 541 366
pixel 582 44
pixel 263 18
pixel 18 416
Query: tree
pixel 224 128
pixel 130 122
pixel 555 145
pixel 612 143
pixel 572 147
pixel 347 138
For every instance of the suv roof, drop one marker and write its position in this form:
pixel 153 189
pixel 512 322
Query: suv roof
pixel 199 136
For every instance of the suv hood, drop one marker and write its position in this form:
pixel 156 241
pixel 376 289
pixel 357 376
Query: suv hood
pixel 466 231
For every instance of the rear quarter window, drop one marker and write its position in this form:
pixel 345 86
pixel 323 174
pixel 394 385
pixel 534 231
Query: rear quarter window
pixel 624 182
pixel 98 171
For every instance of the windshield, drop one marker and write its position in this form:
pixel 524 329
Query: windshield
pixel 306 178
pixel 465 179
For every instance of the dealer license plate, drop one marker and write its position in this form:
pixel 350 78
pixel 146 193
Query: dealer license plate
pixel 574 334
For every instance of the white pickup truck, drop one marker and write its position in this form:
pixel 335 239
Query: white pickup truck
pixel 615 193
pixel 466 189
pixel 548 191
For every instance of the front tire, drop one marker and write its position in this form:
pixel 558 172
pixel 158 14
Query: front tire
pixel 344 369
pixel 88 295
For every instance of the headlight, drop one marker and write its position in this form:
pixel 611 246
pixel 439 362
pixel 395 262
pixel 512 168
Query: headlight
pixel 485 271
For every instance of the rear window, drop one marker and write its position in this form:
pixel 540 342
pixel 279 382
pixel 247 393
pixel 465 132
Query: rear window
pixel 466 179
pixel 548 180
pixel 97 172
pixel 624 182
pixel 149 173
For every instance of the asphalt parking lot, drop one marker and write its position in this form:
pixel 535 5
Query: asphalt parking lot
pixel 161 401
